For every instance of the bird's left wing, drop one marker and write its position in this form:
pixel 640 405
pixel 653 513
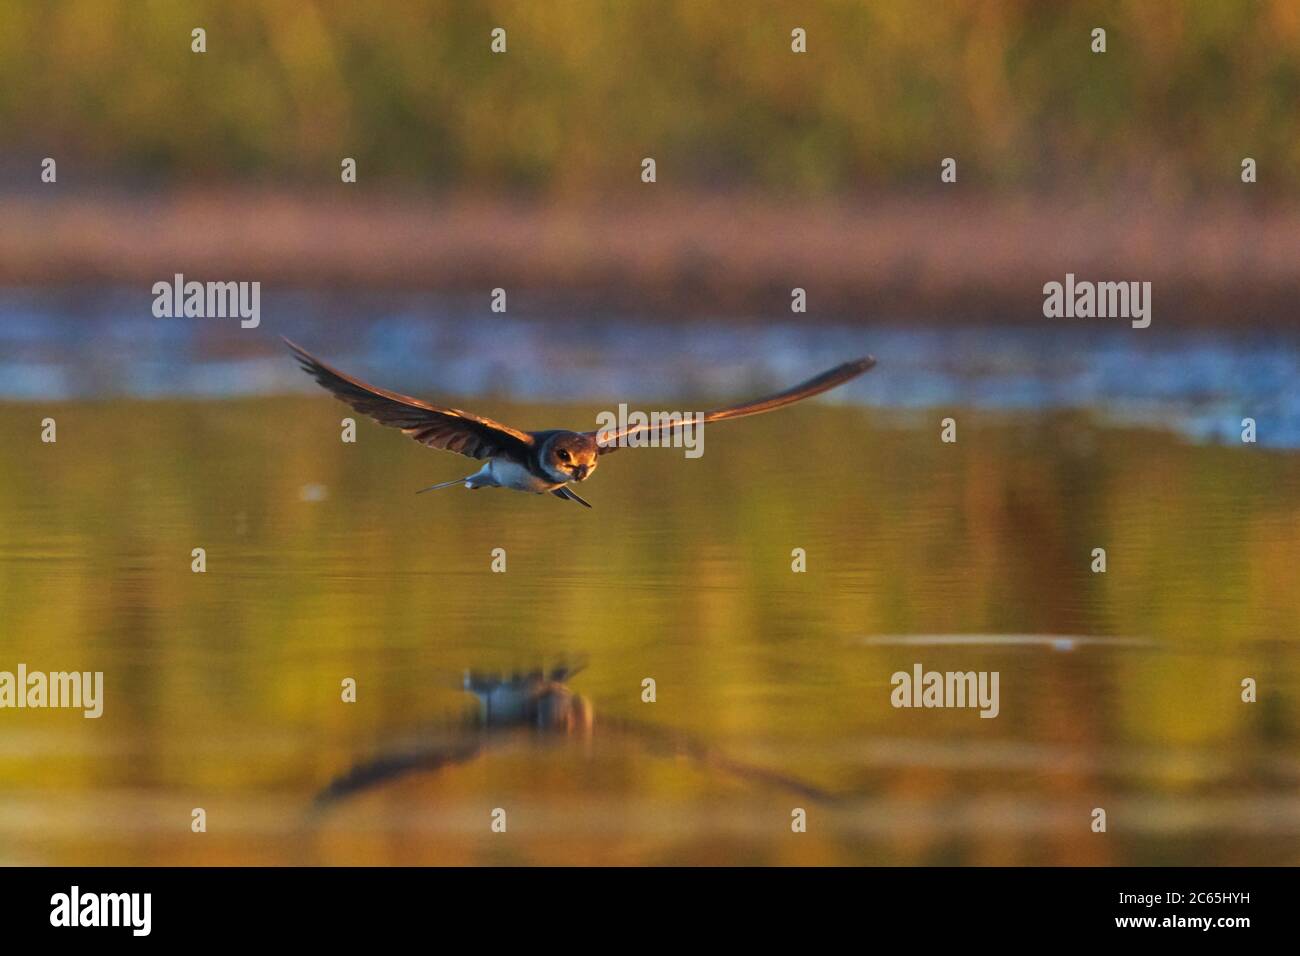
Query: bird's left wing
pixel 447 428
pixel 612 440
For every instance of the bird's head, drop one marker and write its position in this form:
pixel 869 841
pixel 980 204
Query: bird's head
pixel 570 456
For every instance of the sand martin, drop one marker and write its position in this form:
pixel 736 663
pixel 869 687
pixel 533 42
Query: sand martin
pixel 540 461
pixel 520 709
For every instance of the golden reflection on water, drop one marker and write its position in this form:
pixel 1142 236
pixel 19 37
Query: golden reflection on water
pixel 223 688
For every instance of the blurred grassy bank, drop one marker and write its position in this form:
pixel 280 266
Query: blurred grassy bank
pixel 920 258
pixel 712 90
pixel 774 169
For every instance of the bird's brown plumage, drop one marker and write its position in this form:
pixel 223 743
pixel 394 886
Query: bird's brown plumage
pixel 609 441
pixel 447 428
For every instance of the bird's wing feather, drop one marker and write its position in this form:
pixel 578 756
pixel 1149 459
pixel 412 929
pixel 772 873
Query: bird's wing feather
pixel 447 428
pixel 612 440
pixel 388 767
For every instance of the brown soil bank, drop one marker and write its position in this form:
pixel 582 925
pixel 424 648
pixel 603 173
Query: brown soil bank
pixel 931 259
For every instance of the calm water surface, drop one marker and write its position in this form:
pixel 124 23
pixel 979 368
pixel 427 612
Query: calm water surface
pixel 1118 690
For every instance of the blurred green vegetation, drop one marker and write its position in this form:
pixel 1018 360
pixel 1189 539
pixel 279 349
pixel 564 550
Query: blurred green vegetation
pixel 222 688
pixel 710 89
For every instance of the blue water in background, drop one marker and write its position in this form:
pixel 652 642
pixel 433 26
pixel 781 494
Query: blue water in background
pixel 1199 383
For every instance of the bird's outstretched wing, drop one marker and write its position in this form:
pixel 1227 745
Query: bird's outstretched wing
pixel 612 440
pixel 448 428
pixel 388 767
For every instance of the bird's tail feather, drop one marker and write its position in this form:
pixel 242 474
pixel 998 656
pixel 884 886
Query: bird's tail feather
pixel 444 484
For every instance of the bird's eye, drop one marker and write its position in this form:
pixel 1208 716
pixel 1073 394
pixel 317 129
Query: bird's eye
pixel 562 455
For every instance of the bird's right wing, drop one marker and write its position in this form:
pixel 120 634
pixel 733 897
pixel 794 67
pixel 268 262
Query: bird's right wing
pixel 388 767
pixel 447 428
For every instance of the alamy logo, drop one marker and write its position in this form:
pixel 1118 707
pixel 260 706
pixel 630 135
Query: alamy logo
pixel 922 688
pixel 73 689
pixel 624 429
pixel 75 908
pixel 209 300
pixel 1102 300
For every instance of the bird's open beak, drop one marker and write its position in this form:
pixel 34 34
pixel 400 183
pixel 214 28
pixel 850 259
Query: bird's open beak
pixel 580 473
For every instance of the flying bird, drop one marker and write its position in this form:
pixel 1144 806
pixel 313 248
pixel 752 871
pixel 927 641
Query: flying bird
pixel 522 707
pixel 540 461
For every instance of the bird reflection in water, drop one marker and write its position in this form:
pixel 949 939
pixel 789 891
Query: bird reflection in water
pixel 540 702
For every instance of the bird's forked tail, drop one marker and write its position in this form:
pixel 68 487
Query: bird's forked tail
pixel 445 484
